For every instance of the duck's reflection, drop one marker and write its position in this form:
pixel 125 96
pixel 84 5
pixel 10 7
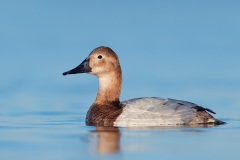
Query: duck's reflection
pixel 108 139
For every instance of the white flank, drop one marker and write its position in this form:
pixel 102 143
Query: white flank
pixel 155 112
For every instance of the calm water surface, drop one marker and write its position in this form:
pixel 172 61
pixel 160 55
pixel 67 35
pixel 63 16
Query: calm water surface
pixel 176 49
pixel 63 135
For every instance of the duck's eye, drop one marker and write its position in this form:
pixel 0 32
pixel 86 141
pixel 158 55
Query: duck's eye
pixel 99 57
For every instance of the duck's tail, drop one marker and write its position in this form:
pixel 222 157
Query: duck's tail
pixel 219 122
pixel 202 117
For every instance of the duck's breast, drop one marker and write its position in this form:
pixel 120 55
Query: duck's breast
pixel 155 112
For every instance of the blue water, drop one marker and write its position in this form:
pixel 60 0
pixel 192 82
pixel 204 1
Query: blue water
pixel 187 50
pixel 63 135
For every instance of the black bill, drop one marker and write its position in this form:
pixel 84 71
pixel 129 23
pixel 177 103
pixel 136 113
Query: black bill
pixel 82 68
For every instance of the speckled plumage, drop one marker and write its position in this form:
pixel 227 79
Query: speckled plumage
pixel 153 111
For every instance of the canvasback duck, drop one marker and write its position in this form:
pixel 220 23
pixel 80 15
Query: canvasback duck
pixel 107 110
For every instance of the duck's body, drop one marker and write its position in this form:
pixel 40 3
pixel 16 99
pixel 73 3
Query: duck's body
pixel 107 110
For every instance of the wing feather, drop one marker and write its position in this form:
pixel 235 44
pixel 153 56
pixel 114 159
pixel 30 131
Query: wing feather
pixel 155 112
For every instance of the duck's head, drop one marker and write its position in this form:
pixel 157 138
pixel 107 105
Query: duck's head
pixel 101 61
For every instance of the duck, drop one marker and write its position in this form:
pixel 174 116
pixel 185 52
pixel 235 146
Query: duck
pixel 107 110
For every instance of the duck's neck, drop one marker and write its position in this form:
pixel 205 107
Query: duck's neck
pixel 109 87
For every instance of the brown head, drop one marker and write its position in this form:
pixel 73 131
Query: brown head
pixel 103 62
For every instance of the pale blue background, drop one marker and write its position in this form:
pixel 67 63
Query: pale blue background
pixel 185 50
pixel 181 49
